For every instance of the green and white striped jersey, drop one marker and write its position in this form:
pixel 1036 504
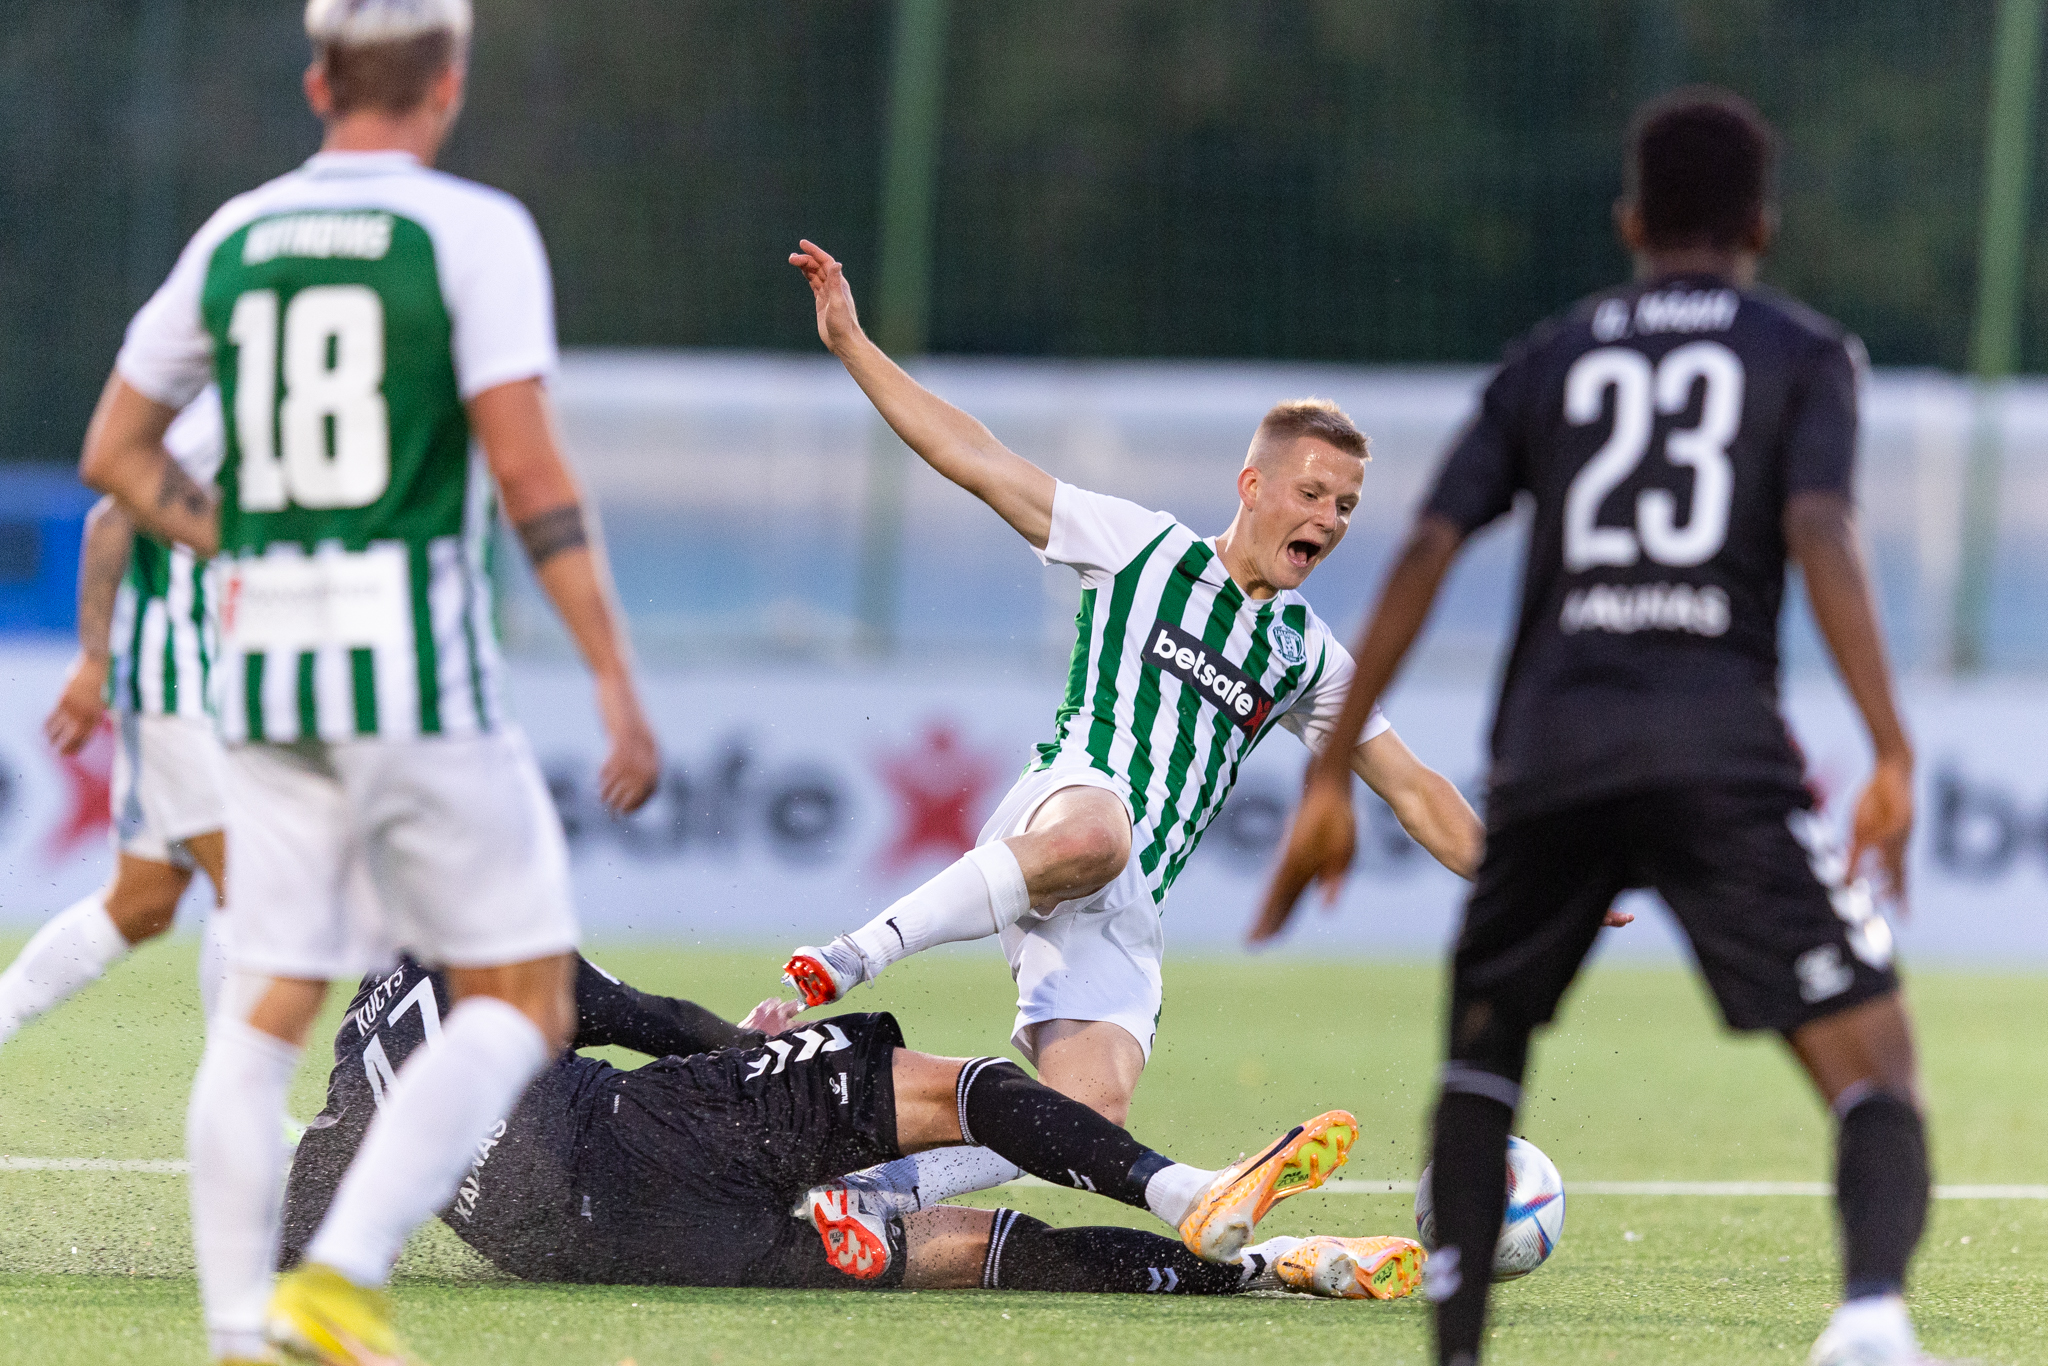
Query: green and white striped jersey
pixel 1177 674
pixel 161 646
pixel 349 310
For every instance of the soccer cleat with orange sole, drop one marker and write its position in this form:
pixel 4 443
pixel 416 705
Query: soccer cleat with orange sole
pixel 319 1315
pixel 818 978
pixel 1386 1268
pixel 1221 1222
pixel 856 1238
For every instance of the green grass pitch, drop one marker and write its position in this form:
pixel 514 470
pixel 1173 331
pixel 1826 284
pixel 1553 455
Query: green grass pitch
pixel 1637 1083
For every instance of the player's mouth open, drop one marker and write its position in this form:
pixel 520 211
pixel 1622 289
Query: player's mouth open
pixel 1301 554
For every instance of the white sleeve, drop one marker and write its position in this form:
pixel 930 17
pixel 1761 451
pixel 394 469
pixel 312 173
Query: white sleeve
pixel 1097 534
pixel 1315 710
pixel 196 439
pixel 501 300
pixel 168 353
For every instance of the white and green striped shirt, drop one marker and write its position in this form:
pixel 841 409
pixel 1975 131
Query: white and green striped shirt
pixel 1177 674
pixel 349 311
pixel 162 644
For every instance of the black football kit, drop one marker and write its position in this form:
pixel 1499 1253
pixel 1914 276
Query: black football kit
pixel 680 1172
pixel 691 1170
pixel 1659 431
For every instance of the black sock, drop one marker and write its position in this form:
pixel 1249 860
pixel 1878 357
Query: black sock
pixel 1024 1254
pixel 1469 1183
pixel 1880 1191
pixel 1054 1137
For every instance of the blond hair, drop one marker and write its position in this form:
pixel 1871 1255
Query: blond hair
pixel 1318 418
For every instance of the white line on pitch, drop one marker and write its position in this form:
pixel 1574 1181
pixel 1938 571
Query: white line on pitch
pixel 1341 1185
pixel 150 1166
pixel 1352 1185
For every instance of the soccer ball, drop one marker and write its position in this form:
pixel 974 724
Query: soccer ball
pixel 1535 1217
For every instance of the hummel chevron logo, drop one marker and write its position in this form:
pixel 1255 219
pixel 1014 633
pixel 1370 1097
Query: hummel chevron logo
pixel 1163 1282
pixel 1080 1182
pixel 831 1041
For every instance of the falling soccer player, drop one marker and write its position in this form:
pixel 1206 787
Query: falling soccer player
pixel 1682 439
pixel 714 1165
pixel 383 335
pixel 1191 650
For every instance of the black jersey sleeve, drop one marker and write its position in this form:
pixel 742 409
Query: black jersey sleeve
pixel 1820 431
pixel 608 1012
pixel 1482 472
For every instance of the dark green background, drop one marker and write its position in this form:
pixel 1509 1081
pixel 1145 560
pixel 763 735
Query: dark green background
pixel 1363 180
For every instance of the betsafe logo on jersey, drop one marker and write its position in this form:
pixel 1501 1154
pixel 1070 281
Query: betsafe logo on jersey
pixel 1225 686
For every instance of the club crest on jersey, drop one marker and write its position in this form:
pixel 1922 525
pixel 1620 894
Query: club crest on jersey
pixel 1220 683
pixel 1287 645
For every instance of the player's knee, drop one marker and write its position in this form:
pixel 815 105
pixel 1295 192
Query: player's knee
pixel 1488 1046
pixel 1114 1108
pixel 1090 853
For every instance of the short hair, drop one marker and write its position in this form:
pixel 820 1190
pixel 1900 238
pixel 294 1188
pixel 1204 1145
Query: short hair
pixel 385 54
pixel 1316 417
pixel 1699 167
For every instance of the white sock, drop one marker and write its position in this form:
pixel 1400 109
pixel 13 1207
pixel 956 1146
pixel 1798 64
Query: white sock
pixel 980 894
pixel 943 1173
pixel 446 1099
pixel 233 1138
pixel 1172 1191
pixel 214 938
pixel 69 952
pixel 1260 1260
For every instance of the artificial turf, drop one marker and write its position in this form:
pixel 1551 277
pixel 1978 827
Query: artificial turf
pixel 1637 1083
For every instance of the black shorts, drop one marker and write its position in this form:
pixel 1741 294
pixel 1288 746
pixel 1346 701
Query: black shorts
pixel 694 1164
pixel 1754 880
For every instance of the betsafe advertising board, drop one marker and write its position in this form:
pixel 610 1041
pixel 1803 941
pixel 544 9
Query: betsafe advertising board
pixel 796 801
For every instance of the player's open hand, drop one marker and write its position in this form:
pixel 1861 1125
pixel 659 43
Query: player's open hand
pixel 633 766
pixel 1883 825
pixel 80 706
pixel 773 1016
pixel 838 323
pixel 1319 848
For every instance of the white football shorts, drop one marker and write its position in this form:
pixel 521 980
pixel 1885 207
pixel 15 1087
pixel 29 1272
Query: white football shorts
pixel 165 786
pixel 466 862
pixel 1097 958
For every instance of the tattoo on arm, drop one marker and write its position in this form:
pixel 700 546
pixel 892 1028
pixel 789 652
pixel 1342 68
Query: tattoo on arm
pixel 178 490
pixel 550 533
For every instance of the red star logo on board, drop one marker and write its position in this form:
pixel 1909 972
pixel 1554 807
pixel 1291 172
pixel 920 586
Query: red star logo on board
pixel 938 787
pixel 89 783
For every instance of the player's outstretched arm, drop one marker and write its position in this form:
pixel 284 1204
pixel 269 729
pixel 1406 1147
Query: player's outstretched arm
pixel 1428 805
pixel 1820 533
pixel 1320 841
pixel 102 560
pixel 515 425
pixel 125 458
pixel 952 442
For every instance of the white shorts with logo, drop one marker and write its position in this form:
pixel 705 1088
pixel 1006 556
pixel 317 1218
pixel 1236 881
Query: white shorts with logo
pixel 165 785
pixel 340 855
pixel 1097 958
